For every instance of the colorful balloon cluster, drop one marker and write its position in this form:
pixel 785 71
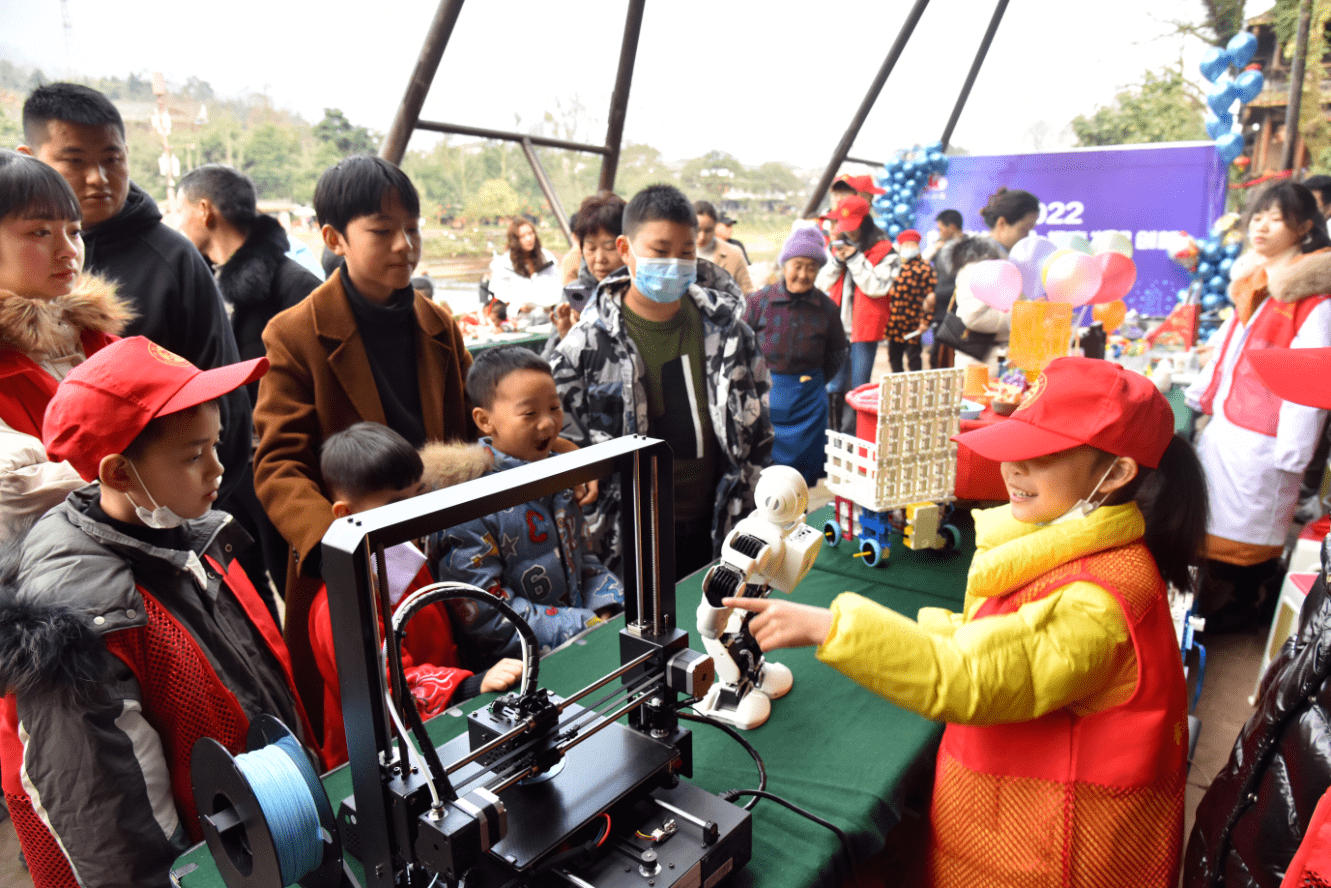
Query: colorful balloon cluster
pixel 1208 263
pixel 904 178
pixel 1226 90
pixel 1073 270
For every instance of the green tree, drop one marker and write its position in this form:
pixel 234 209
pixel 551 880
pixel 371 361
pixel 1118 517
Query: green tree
pixel 711 174
pixel 1162 108
pixel 1312 121
pixel 495 197
pixel 268 160
pixel 335 130
pixel 639 166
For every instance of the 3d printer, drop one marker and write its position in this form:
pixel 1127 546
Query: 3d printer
pixel 541 789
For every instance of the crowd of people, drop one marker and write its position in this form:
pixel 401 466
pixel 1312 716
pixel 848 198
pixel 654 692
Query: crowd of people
pixel 172 398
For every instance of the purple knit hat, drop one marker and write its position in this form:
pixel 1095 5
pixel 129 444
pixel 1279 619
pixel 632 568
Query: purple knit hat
pixel 804 242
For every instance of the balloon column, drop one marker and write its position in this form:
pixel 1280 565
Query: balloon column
pixel 1227 90
pixel 1208 263
pixel 904 178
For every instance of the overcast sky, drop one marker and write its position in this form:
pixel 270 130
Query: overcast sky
pixel 761 79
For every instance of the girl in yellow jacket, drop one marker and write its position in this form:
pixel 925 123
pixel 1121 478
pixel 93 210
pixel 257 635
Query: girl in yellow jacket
pixel 1064 756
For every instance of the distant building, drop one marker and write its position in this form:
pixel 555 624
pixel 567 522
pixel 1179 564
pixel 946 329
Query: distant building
pixel 1264 117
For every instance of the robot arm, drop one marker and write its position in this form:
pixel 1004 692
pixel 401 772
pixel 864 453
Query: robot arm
pixel 771 548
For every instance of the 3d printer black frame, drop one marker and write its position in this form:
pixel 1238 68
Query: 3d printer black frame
pixel 644 467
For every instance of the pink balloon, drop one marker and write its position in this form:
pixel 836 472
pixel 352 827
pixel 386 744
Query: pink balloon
pixel 996 283
pixel 1073 278
pixel 1117 275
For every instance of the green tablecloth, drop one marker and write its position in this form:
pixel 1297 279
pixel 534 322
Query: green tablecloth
pixel 535 342
pixel 830 746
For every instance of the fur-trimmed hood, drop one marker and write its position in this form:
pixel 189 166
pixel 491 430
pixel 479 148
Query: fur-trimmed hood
pixel 35 326
pixel 452 463
pixel 247 277
pixel 1310 276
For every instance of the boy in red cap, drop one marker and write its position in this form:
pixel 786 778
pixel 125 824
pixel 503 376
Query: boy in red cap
pixel 1064 756
pixel 132 630
pixel 907 321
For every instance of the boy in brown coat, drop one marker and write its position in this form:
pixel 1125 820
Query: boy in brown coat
pixel 363 346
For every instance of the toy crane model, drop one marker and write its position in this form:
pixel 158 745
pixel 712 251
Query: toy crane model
pixel 910 467
pixel 541 790
pixel 771 548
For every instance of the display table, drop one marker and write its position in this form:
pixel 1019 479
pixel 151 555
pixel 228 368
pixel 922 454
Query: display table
pixel 830 747
pixel 533 341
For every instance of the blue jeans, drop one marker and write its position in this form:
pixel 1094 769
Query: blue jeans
pixel 857 369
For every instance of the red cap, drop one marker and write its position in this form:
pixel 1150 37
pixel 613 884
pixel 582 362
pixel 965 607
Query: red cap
pixel 863 184
pixel 849 214
pixel 1295 374
pixel 1079 401
pixel 105 402
pixel 909 236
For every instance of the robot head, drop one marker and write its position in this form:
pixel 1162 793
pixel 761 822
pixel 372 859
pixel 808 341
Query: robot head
pixel 781 495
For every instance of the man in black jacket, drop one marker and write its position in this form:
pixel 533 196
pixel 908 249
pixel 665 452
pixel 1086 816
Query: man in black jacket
pixel 78 132
pixel 218 209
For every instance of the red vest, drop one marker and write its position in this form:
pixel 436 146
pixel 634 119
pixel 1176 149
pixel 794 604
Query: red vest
pixel 869 314
pixel 183 700
pixel 1311 864
pixel 1067 799
pixel 26 389
pixel 1250 404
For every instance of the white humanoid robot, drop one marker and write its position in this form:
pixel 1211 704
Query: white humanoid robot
pixel 770 548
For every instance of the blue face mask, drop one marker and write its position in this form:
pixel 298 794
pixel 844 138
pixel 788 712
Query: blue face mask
pixel 664 280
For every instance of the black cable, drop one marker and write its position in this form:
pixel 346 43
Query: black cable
pixel 402 617
pixel 731 794
pixel 757 759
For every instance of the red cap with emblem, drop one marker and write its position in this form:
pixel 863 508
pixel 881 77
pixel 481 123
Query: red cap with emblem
pixel 105 402
pixel 863 184
pixel 848 214
pixel 1079 401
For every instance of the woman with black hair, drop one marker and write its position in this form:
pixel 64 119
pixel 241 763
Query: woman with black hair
pixel 858 278
pixel 1255 447
pixel 1010 216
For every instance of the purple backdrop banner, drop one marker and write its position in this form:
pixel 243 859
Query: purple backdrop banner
pixel 1139 190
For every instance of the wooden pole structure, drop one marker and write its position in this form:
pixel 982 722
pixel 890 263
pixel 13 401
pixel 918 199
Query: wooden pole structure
pixel 847 140
pixel 1292 108
pixel 427 63
pixel 619 99
pixel 974 71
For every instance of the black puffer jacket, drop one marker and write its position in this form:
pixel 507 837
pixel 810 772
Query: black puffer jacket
pixel 258 281
pixel 1256 811
pixel 178 307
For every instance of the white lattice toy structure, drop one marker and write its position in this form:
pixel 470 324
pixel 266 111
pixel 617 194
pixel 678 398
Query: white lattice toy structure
pixel 911 465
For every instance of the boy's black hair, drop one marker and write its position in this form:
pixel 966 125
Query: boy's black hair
pixel 603 211
pixel 490 366
pixel 30 189
pixel 368 458
pixel 1010 205
pixel 950 217
pixel 69 103
pixel 355 186
pixel 706 208
pixel 658 203
pixel 230 191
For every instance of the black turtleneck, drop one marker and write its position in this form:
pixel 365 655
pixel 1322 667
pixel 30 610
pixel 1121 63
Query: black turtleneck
pixel 390 332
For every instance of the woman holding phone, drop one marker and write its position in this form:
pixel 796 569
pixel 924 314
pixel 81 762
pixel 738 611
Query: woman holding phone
pixel 859 276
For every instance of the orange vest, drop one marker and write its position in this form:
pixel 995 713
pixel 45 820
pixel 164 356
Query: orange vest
pixel 183 700
pixel 868 314
pixel 1066 799
pixel 1250 404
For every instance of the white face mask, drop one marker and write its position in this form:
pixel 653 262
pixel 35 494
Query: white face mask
pixel 909 250
pixel 1083 507
pixel 160 518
